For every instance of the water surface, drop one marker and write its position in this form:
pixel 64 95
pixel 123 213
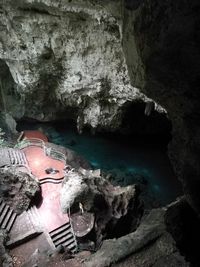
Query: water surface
pixel 125 156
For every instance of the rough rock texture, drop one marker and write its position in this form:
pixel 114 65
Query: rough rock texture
pixel 5 259
pixel 8 126
pixel 17 188
pixel 149 245
pixel 65 59
pixel 166 37
pixel 183 224
pixel 113 207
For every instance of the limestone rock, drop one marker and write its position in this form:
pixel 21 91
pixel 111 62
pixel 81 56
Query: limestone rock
pixel 5 259
pixel 149 245
pixel 113 207
pixel 65 60
pixel 17 188
pixel 166 38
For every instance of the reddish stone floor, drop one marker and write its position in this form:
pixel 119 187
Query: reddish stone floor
pixel 39 162
pixel 49 208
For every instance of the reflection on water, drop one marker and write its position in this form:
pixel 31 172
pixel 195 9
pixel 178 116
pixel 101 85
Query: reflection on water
pixel 120 155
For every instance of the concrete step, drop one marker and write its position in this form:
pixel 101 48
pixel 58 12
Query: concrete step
pixel 51 181
pixel 7 216
pixel 11 221
pixel 17 157
pixel 24 158
pixel 2 205
pixel 10 156
pixel 59 230
pixel 3 214
pixel 72 246
pixel 64 236
pixel 63 239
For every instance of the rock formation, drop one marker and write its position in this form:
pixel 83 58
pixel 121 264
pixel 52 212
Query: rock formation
pixel 65 59
pixel 166 37
pixel 112 206
pixel 17 188
pixel 84 60
pixel 149 245
pixel 5 259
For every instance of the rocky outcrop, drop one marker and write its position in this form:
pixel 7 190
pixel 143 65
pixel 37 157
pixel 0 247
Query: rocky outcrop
pixel 183 224
pixel 149 245
pixel 17 188
pixel 65 59
pixel 166 38
pixel 113 207
pixel 5 259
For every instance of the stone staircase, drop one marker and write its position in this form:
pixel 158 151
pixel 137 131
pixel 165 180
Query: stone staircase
pixel 7 216
pixel 51 180
pixel 64 236
pixel 17 157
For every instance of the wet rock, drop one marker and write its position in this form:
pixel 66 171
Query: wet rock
pixel 17 188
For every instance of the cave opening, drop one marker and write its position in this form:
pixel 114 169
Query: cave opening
pixel 111 191
pixel 131 155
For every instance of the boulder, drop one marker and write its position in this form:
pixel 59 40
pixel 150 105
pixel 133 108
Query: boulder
pixel 17 188
pixel 112 206
pixel 149 245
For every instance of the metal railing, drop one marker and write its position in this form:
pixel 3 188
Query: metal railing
pixel 30 142
pixel 49 151
pixel 53 153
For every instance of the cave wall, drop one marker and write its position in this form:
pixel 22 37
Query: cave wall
pixel 167 39
pixel 85 60
pixel 66 60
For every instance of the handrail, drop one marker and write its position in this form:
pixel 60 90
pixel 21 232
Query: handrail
pixel 30 142
pixel 49 151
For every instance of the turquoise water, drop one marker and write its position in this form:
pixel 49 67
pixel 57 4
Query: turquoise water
pixel 123 156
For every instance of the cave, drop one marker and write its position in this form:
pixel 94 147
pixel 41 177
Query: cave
pixel 99 133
